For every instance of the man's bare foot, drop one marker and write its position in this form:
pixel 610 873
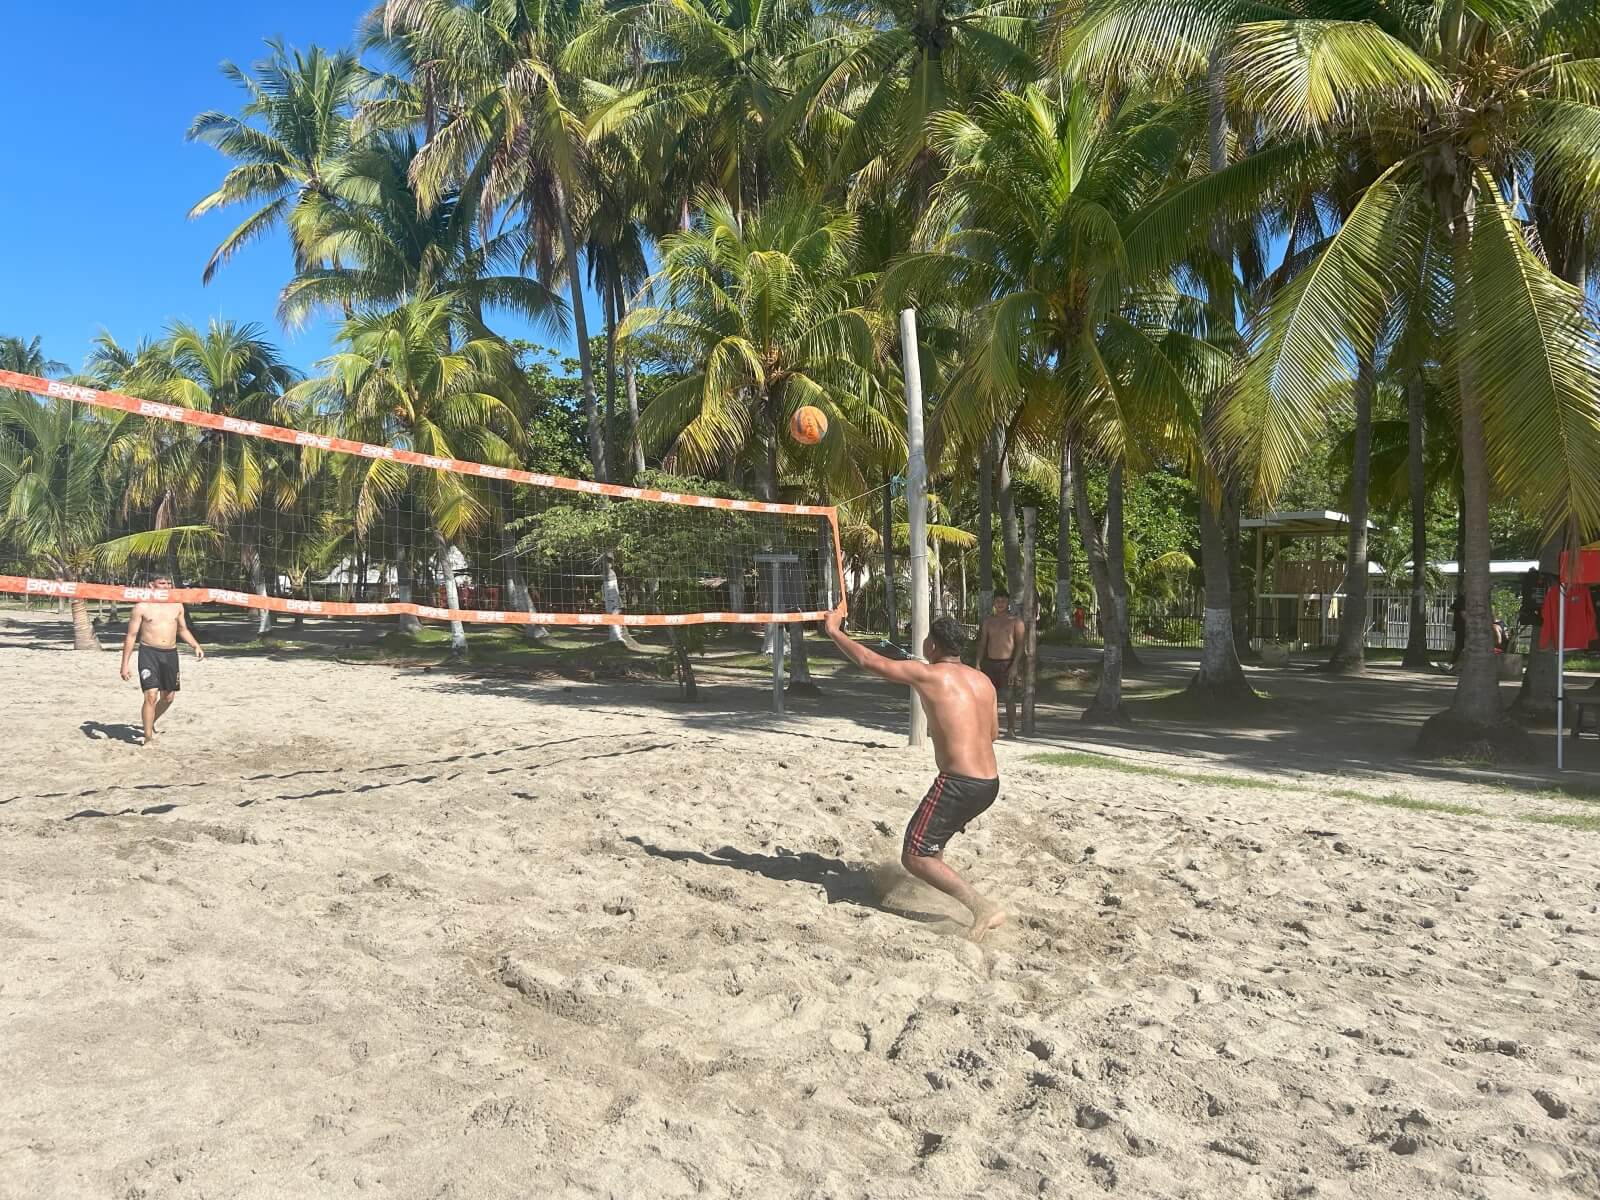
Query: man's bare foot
pixel 985 918
pixel 149 740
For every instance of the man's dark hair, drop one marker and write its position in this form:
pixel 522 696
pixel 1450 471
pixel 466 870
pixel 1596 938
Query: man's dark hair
pixel 948 635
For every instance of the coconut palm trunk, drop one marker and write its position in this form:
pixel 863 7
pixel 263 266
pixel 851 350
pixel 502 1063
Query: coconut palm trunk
pixel 1416 655
pixel 1477 698
pixel 1101 552
pixel 83 637
pixel 986 530
pixel 517 585
pixel 1008 528
pixel 800 680
pixel 1064 541
pixel 1348 653
pixel 1474 722
pixel 1233 508
pixel 580 326
pixel 1221 678
pixel 591 405
pixel 609 432
pixel 630 372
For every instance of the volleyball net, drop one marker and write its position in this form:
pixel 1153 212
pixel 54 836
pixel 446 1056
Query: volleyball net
pixel 105 493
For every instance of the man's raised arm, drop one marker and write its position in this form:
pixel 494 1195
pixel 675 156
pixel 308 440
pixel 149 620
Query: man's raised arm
pixel 899 670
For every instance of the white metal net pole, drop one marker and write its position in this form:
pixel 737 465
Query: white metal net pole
pixel 917 508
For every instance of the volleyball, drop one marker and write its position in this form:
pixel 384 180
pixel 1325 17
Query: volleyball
pixel 808 425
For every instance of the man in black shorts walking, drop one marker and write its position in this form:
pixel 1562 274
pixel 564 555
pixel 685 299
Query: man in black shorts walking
pixel 1002 641
pixel 156 626
pixel 964 722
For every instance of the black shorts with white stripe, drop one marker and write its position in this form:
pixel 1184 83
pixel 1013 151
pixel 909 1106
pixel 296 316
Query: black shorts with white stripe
pixel 951 802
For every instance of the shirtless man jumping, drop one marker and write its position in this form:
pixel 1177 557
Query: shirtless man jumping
pixel 964 722
pixel 1002 641
pixel 156 626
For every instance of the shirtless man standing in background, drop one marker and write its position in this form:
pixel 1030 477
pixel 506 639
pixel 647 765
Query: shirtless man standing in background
pixel 1002 640
pixel 964 723
pixel 156 626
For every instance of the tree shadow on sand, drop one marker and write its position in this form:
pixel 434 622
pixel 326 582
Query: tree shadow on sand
pixel 861 884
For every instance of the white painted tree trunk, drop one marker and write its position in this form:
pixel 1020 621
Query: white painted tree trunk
pixel 258 583
pixel 458 632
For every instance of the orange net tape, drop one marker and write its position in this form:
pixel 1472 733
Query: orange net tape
pixel 56 390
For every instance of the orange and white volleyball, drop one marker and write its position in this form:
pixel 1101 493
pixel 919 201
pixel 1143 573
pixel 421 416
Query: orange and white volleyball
pixel 808 426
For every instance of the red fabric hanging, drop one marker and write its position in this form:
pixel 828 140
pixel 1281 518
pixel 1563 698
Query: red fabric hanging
pixel 1582 567
pixel 1580 618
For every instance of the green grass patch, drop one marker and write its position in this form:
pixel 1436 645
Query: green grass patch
pixel 1154 694
pixel 1400 800
pixel 1587 822
pixel 1581 792
pixel 1103 762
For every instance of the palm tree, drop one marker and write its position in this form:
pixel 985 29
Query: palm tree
pixel 287 140
pixel 27 358
pixel 1029 229
pixel 893 64
pixel 402 380
pixel 231 370
pixel 711 96
pixel 772 316
pixel 767 308
pixel 505 128
pixel 618 268
pixel 373 241
pixel 59 486
pixel 1464 107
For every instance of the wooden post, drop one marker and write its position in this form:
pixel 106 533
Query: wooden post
pixel 916 507
pixel 1030 619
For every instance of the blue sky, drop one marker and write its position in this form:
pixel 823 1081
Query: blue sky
pixel 96 178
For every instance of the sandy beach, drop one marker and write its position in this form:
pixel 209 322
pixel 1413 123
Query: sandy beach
pixel 375 931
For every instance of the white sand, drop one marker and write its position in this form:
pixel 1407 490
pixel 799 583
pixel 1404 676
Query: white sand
pixel 359 931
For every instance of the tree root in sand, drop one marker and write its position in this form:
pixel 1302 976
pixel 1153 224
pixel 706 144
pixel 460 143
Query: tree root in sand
pixel 1340 664
pixel 1445 735
pixel 1102 714
pixel 1219 700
